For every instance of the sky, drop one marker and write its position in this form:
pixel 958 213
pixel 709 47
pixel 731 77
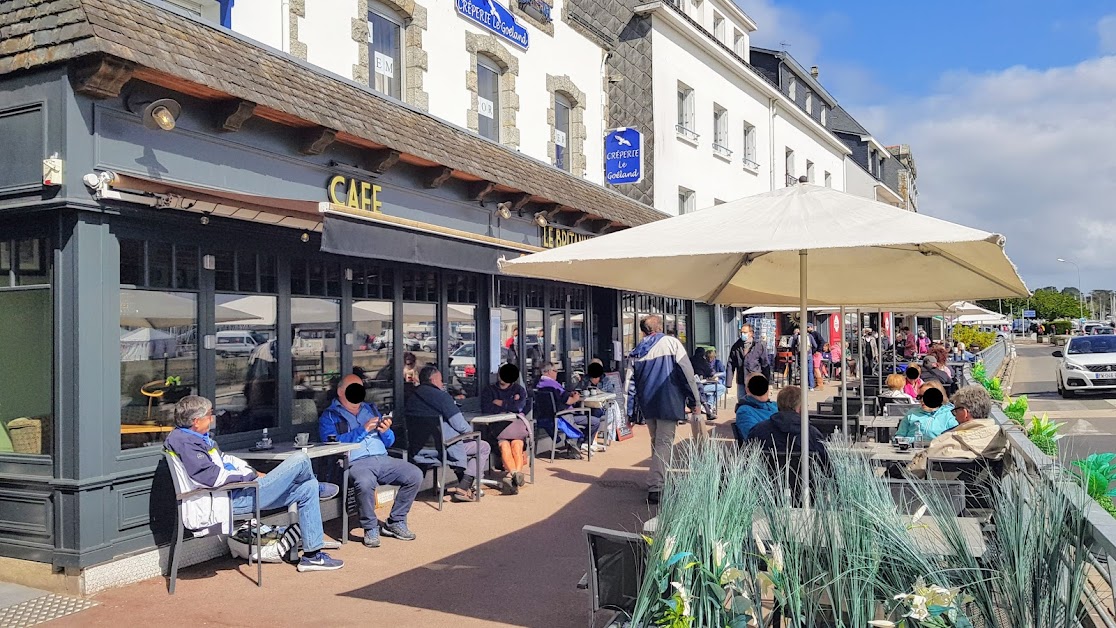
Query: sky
pixel 1009 109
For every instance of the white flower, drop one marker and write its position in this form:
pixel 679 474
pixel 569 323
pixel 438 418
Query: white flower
pixel 919 513
pixel 939 596
pixel 668 547
pixel 919 611
pixel 685 597
pixel 881 623
pixel 776 561
pixel 760 546
pixel 719 554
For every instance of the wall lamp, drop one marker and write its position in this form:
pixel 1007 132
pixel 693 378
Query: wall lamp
pixel 503 210
pixel 540 219
pixel 158 114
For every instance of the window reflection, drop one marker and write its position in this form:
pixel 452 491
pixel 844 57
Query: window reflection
pixel 247 362
pixel 158 362
pixel 373 338
pixel 26 399
pixel 533 343
pixel 557 338
pixel 462 375
pixel 577 345
pixel 315 358
pixel 420 339
pixel 509 337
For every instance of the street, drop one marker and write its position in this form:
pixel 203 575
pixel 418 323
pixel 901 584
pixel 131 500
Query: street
pixel 1090 420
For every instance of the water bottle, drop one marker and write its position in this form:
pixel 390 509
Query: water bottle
pixel 266 440
pixel 918 434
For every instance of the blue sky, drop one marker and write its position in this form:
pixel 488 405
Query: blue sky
pixel 1007 106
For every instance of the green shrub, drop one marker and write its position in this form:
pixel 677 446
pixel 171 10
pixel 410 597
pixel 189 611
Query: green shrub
pixel 1044 434
pixel 1098 472
pixel 1104 501
pixel 972 336
pixel 1060 326
pixel 993 387
pixel 1016 410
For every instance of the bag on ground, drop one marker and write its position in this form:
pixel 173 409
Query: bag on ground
pixel 277 542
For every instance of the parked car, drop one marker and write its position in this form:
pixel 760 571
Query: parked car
pixel 463 363
pixel 1000 331
pixel 231 343
pixel 1088 363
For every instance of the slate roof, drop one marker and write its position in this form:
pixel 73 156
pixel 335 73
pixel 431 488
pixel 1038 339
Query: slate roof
pixel 841 121
pixel 37 33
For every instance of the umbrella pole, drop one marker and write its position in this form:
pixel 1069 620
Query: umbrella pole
pixel 879 356
pixel 860 346
pixel 807 363
pixel 844 376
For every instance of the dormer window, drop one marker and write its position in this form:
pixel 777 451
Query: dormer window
pixel 792 89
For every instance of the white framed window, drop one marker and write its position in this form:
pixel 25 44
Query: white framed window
pixel 687 201
pixel 562 107
pixel 828 180
pixel 824 115
pixel 809 171
pixel 385 50
pixel 739 43
pixel 789 161
pixel 686 120
pixel 488 98
pixel 208 10
pixel 720 132
pixel 719 26
pixel 810 103
pixel 792 88
pixel 750 156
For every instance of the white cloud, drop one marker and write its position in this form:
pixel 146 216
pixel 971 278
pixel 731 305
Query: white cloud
pixel 1023 152
pixel 1106 33
pixel 777 25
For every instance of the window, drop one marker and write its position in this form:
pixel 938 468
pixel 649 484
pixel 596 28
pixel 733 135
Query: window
pixel 810 103
pixel 462 293
pixel 488 98
pixel 385 45
pixel 828 180
pixel 718 27
pixel 686 201
pixel 562 108
pixel 809 171
pixel 686 122
pixel 824 115
pixel 739 43
pixel 27 341
pixel 720 132
pixel 791 180
pixel 792 88
pixel 209 10
pixel 750 146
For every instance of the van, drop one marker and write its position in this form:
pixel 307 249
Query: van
pixel 233 343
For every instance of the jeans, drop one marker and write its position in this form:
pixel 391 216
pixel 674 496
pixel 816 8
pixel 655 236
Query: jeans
pixel 371 471
pixel 662 446
pixel 473 451
pixel 292 481
pixel 711 394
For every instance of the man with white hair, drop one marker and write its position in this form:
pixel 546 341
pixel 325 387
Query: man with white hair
pixel 975 437
pixel 292 481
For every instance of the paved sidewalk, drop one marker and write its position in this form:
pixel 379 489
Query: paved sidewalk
pixel 23 606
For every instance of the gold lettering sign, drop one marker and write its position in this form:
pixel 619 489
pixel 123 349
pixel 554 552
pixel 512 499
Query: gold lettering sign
pixel 554 237
pixel 355 194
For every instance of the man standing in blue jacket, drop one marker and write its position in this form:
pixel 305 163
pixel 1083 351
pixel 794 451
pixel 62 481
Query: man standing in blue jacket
pixel 665 387
pixel 350 420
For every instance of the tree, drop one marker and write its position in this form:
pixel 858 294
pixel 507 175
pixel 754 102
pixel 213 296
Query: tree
pixel 1051 304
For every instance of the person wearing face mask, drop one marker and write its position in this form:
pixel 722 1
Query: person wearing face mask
pixel 923 342
pixel 349 419
pixel 747 357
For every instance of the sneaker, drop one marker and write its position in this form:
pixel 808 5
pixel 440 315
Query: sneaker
pixel 321 562
pixel 508 486
pixel 397 530
pixel 327 491
pixel 599 447
pixel 520 481
pixel 372 538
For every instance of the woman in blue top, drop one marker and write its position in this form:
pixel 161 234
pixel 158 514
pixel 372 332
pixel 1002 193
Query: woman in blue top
pixel 933 418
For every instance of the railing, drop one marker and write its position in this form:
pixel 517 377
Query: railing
pixel 723 151
pixel 686 133
pixel 749 164
pixel 791 180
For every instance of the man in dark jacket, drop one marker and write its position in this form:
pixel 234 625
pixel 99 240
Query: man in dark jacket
pixel 665 387
pixel 747 356
pixel 781 432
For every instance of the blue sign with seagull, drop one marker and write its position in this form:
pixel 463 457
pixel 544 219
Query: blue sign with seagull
pixel 623 156
pixel 495 17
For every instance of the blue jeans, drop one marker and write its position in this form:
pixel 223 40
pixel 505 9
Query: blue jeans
pixel 292 481
pixel 712 393
pixel 371 471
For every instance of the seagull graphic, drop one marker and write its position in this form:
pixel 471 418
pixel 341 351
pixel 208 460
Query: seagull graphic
pixel 495 14
pixel 621 140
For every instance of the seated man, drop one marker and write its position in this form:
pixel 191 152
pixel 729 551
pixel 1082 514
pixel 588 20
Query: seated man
pixel 782 431
pixel 975 437
pixel 507 395
pixel 292 481
pixel 563 400
pixel 350 420
pixel 595 380
pixel 756 406
pixel 429 399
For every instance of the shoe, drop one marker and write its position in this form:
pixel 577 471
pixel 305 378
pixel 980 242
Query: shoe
pixel 327 544
pixel 461 495
pixel 321 562
pixel 508 486
pixel 520 481
pixel 327 491
pixel 597 447
pixel 397 530
pixel 372 538
pixel 653 497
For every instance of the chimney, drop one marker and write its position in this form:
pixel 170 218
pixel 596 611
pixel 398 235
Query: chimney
pixel 814 71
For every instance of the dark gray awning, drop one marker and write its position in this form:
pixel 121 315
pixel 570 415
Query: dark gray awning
pixel 361 238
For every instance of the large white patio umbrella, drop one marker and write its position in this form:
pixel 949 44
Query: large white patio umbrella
pixel 760 250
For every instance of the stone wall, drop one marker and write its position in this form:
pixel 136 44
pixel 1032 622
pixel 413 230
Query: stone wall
pixel 414 57
pixel 575 142
pixel 509 100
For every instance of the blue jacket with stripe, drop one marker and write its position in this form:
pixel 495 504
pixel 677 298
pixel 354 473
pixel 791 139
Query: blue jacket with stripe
pixel 663 377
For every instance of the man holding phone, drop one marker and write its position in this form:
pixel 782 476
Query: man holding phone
pixel 350 420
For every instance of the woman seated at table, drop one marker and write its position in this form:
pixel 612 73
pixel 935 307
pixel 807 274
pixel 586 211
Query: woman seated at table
pixel 895 383
pixel 934 417
pixel 707 380
pixel 595 380
pixel 913 377
pixel 507 395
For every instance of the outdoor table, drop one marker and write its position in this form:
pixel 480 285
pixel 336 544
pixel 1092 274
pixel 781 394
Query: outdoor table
pixel 879 452
pixel 281 451
pixel 597 400
pixel 925 532
pixel 884 426
pixel 488 419
pixel 145 429
pixel 484 422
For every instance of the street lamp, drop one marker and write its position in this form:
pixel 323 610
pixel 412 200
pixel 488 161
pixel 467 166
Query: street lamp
pixel 1080 294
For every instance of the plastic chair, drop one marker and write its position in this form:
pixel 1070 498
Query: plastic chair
pixel 616 564
pixel 425 432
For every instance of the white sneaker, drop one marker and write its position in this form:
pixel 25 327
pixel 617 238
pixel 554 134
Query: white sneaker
pixel 599 447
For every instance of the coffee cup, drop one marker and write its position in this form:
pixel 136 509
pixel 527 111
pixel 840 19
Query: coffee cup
pixel 302 439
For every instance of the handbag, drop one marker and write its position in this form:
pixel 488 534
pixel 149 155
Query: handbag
pixel 277 541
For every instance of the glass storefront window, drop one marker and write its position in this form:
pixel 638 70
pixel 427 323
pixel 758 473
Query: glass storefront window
pixel 158 362
pixel 461 380
pixel 577 345
pixel 420 337
pixel 628 320
pixel 315 358
pixel 533 343
pixel 557 339
pixel 247 362
pixel 26 384
pixel 373 338
pixel 509 337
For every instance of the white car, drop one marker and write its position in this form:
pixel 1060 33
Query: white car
pixel 1088 363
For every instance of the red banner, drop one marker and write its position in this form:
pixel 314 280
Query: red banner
pixel 834 328
pixel 888 327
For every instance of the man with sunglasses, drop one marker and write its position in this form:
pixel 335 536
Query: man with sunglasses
pixel 975 437
pixel 293 481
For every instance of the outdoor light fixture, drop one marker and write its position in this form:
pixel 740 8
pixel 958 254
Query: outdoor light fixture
pixel 205 218
pixel 540 219
pixel 503 210
pixel 159 114
pixel 305 237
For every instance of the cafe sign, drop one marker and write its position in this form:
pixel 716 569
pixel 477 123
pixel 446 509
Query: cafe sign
pixel 355 193
pixel 490 14
pixel 554 237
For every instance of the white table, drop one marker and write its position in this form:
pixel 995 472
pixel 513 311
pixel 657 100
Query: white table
pixel 597 400
pixel 488 419
pixel 283 451
pixel 880 452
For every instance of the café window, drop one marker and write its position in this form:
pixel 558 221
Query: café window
pixel 26 331
pixel 461 294
pixel 374 333
pixel 315 278
pixel 562 108
pixel 158 336
pixel 488 98
pixel 385 45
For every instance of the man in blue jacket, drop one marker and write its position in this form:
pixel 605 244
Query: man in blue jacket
pixel 665 387
pixel 350 420
pixel 756 407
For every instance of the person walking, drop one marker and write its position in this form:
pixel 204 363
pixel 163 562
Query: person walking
pixel 665 386
pixel 746 357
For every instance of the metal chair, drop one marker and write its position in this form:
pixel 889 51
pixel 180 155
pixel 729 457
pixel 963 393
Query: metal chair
pixel 616 565
pixel 181 493
pixel 546 405
pixel 425 432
